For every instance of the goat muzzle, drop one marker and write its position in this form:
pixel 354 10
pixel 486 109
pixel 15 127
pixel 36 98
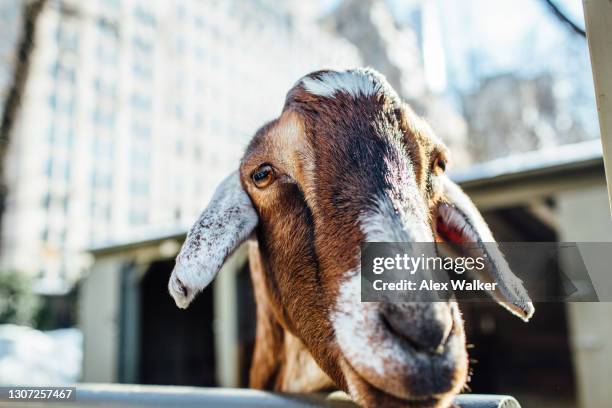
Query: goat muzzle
pixel 427 335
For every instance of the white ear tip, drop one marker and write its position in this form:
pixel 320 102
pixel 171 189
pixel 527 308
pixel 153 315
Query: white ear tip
pixel 528 311
pixel 524 310
pixel 181 294
pixel 182 304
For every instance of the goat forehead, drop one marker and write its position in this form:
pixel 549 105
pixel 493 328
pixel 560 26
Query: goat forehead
pixel 356 82
pixel 355 144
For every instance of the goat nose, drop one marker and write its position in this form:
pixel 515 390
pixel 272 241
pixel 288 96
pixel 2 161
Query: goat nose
pixel 179 286
pixel 425 325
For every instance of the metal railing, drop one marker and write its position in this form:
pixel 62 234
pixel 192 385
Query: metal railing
pixel 141 396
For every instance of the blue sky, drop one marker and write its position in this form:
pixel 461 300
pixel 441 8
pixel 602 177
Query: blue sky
pixel 509 35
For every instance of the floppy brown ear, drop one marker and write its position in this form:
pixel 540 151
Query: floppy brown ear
pixel 459 222
pixel 228 221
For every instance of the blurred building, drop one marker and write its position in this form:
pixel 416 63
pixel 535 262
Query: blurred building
pixel 134 110
pixel 536 112
pixel 411 57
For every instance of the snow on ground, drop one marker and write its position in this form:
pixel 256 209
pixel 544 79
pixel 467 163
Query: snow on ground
pixel 32 357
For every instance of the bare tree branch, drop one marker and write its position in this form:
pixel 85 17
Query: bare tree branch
pixel 564 19
pixel 16 87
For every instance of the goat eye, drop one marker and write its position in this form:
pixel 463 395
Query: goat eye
pixel 263 176
pixel 441 164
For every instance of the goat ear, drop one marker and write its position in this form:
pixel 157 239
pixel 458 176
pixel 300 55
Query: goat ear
pixel 228 221
pixel 458 221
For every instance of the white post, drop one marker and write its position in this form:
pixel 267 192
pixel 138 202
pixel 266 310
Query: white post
pixel 583 218
pixel 598 18
pixel 226 319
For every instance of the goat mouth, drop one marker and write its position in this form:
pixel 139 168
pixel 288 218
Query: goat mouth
pixel 367 394
pixel 416 376
pixel 385 361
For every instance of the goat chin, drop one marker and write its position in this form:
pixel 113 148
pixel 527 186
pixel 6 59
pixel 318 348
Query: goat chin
pixel 368 395
pixel 385 360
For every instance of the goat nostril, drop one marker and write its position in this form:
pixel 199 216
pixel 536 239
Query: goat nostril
pixel 180 287
pixel 426 335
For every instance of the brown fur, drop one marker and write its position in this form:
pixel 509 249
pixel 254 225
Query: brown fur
pixel 307 229
pixel 346 162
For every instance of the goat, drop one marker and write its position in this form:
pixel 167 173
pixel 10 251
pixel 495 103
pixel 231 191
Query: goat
pixel 346 162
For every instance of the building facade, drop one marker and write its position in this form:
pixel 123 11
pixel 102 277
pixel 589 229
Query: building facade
pixel 134 110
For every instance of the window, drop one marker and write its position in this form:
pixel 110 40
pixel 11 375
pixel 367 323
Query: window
pixel 181 12
pixel 139 187
pixel 102 148
pixel 141 131
pixel 61 105
pixel 68 138
pixel 105 88
pixel 180 45
pixel 108 27
pixel 200 54
pixel 101 180
pixel 198 120
pixel 53 101
pixel 141 159
pixel 138 216
pixel 144 16
pixel 103 119
pixel 142 102
pixel 63 72
pixel 66 40
pixel 142 45
pixel 143 70
pixel 178 111
pixel 51 135
pixel 66 172
pixel 49 167
pixel 61 136
pixel 112 3
pixel 107 55
pixel 47 201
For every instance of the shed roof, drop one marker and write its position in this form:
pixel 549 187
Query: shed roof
pixel 550 161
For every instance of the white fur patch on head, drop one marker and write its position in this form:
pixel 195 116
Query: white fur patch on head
pixel 228 221
pixel 355 82
pixel 386 224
